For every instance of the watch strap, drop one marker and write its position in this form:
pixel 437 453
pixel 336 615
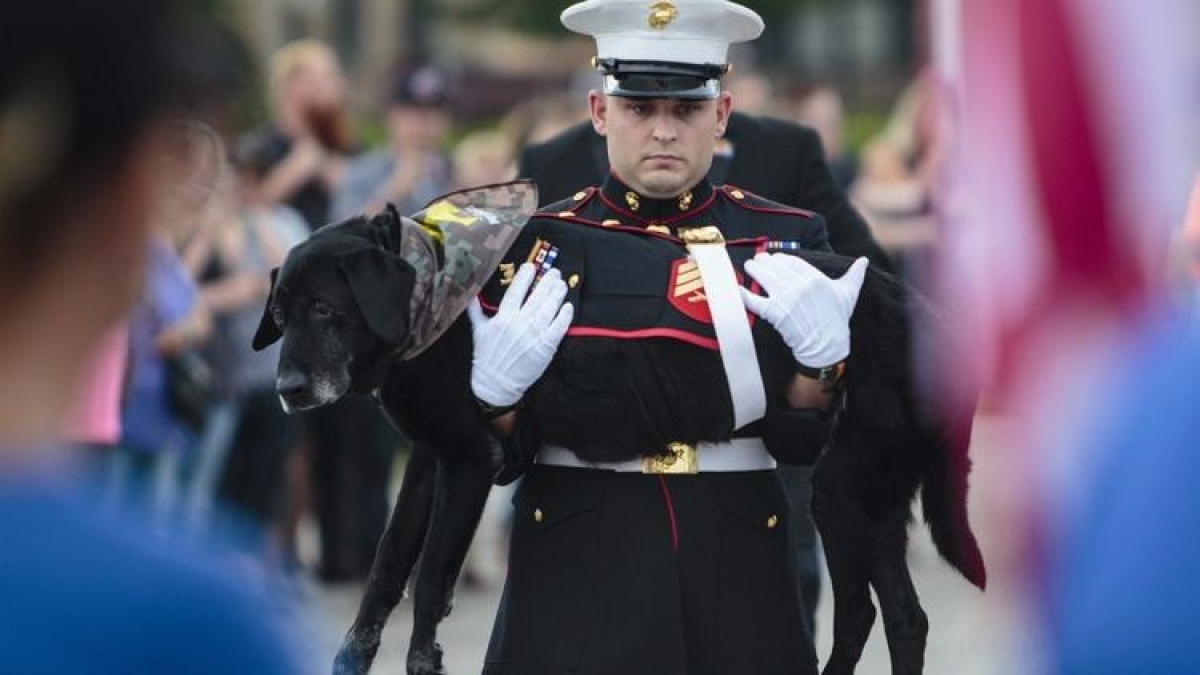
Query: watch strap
pixel 828 375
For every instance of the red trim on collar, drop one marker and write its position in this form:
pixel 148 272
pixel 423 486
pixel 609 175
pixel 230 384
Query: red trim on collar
pixel 701 208
pixel 623 211
pixel 617 228
pixel 780 209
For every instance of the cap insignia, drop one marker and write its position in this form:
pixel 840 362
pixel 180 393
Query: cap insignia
pixel 662 14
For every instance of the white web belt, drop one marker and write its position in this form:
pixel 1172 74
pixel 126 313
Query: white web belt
pixel 723 293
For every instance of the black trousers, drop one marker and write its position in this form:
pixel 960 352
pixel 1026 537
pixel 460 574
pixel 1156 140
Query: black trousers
pixel 797 481
pixel 631 574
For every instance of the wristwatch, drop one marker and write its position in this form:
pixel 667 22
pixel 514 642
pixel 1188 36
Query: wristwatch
pixel 828 376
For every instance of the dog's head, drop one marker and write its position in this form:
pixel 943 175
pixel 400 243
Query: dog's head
pixel 366 290
pixel 340 304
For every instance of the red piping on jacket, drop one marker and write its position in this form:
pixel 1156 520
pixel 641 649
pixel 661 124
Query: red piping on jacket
pixel 782 209
pixel 670 513
pixel 591 331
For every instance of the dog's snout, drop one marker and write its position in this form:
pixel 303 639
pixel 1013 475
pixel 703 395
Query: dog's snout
pixel 291 384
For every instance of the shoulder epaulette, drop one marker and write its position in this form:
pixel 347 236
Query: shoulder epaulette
pixel 752 202
pixel 569 206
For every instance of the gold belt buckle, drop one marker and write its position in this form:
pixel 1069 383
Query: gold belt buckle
pixel 680 458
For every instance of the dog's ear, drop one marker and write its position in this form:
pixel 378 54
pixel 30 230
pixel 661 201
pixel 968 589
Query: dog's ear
pixel 267 332
pixel 382 284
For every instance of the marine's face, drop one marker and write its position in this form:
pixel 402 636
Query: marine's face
pixel 660 146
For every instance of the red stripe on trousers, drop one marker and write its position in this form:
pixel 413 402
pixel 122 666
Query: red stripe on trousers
pixel 670 513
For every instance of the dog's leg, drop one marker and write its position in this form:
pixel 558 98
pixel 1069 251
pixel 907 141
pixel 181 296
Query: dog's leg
pixel 848 536
pixel 903 619
pixel 462 490
pixel 394 559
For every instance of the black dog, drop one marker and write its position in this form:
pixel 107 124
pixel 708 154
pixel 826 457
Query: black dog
pixel 341 302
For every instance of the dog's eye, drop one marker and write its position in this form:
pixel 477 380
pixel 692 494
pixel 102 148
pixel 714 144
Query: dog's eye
pixel 322 310
pixel 277 315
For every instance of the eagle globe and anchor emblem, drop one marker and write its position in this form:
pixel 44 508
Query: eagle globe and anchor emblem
pixel 662 14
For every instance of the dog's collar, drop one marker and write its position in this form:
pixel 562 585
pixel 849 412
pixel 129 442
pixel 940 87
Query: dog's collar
pixel 455 245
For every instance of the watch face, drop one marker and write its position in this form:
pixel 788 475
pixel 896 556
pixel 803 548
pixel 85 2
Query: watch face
pixel 830 374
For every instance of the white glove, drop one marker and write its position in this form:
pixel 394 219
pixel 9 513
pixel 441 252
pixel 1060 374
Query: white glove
pixel 810 310
pixel 514 347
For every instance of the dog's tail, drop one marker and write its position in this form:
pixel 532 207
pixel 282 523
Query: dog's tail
pixel 944 500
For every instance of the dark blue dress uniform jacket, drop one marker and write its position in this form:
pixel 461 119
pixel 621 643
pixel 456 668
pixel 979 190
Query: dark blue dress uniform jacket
pixel 627 573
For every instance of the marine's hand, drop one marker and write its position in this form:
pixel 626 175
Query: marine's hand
pixel 514 347
pixel 810 310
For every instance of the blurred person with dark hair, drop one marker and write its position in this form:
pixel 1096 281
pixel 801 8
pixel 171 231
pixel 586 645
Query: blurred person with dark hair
pixel 85 93
pixel 413 168
pixel 309 137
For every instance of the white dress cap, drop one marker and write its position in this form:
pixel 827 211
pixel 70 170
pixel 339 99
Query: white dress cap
pixel 672 31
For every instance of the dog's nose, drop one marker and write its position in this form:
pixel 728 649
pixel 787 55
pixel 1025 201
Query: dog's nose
pixel 290 384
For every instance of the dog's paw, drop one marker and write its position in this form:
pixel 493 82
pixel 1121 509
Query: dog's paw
pixel 355 656
pixel 422 662
pixel 346 663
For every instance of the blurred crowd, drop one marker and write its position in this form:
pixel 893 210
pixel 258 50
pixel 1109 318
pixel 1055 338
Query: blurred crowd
pixel 176 417
pixel 179 415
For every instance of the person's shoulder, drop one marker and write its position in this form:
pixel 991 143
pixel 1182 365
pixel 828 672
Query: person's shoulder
pixel 573 208
pixel 747 128
pixel 71 563
pixel 745 200
pixel 568 140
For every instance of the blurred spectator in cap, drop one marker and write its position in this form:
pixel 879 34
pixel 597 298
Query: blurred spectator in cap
pixel 308 137
pixel 86 91
pixel 413 168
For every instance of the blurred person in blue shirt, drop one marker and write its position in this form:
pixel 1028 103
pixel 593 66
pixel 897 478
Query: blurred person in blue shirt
pixel 86 90
pixel 1121 582
pixel 167 323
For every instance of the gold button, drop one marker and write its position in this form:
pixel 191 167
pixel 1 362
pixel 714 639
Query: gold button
pixel 580 195
pixel 772 522
pixel 537 515
pixel 566 214
pixel 573 280
pixel 611 223
pixel 738 194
